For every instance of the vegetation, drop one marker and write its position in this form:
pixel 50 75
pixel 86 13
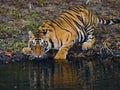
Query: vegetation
pixel 13 30
pixel 17 18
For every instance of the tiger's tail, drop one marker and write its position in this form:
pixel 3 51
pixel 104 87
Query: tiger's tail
pixel 108 21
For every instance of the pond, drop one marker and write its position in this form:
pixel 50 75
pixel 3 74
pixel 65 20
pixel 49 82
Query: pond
pixel 75 74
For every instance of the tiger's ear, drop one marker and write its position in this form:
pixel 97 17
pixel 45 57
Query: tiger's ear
pixel 30 34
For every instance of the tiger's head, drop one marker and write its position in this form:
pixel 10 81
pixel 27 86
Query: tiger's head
pixel 41 41
pixel 36 45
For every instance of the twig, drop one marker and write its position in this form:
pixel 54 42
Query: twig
pixel 30 6
pixel 106 47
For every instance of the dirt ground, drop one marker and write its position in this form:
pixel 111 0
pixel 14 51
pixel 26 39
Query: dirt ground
pixel 17 17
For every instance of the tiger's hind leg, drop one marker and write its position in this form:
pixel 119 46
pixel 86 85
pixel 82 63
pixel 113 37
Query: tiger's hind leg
pixel 90 40
pixel 88 44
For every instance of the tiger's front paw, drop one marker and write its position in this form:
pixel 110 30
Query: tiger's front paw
pixel 61 55
pixel 27 51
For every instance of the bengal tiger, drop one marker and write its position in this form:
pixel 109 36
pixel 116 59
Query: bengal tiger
pixel 74 25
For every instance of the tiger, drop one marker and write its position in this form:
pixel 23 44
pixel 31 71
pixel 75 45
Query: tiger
pixel 73 25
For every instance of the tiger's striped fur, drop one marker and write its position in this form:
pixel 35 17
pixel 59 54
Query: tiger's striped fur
pixel 73 25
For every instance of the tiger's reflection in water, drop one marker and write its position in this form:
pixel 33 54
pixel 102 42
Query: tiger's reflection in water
pixel 73 75
pixel 54 75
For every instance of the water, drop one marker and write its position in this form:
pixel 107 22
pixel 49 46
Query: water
pixel 77 74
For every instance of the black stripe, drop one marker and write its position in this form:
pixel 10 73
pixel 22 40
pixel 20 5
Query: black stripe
pixel 57 37
pixel 61 42
pixel 78 25
pixel 57 23
pixel 115 21
pixel 52 44
pixel 81 19
pixel 77 9
pixel 60 25
pixel 69 13
pixel 101 20
pixel 89 20
pixel 67 38
pixel 90 31
pixel 107 22
pixel 70 24
pixel 83 30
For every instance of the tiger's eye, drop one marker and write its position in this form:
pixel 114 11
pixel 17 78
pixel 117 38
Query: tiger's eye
pixel 45 43
pixel 44 31
pixel 33 42
pixel 41 41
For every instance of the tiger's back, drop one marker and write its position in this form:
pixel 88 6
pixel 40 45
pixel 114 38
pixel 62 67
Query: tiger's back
pixel 77 15
pixel 78 20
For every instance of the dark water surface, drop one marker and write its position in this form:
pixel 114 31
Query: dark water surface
pixel 78 74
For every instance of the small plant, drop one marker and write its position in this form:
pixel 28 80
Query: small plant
pixel 33 21
pixel 14 12
pixel 118 1
pixel 14 29
pixel 43 2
